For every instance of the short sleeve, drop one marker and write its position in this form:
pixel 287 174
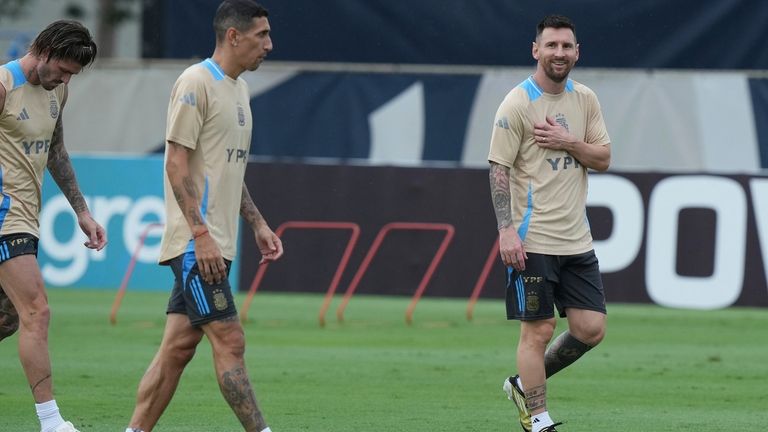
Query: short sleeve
pixel 507 134
pixel 596 130
pixel 186 110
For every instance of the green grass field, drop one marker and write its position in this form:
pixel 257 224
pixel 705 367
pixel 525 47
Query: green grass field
pixel 657 370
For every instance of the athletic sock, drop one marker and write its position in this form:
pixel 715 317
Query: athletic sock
pixel 540 421
pixel 267 430
pixel 48 413
pixel 133 430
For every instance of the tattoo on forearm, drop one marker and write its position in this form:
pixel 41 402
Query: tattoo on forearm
pixel 187 189
pixel 238 393
pixel 500 194
pixel 248 209
pixel 47 377
pixel 536 397
pixel 60 167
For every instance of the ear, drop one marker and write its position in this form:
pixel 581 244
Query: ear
pixel 535 50
pixel 232 36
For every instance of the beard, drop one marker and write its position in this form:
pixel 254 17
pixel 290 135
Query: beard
pixel 557 77
pixel 44 75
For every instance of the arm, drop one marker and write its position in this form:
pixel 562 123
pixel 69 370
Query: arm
pixel 2 98
pixel 60 167
pixel 553 136
pixel 510 245
pixel 207 253
pixel 270 246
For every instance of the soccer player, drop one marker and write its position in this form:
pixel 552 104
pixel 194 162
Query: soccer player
pixel 33 91
pixel 548 131
pixel 208 138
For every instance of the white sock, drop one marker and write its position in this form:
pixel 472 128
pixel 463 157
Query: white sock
pixel 133 430
pixel 540 421
pixel 267 430
pixel 48 413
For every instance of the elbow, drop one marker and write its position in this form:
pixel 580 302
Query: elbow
pixel 602 166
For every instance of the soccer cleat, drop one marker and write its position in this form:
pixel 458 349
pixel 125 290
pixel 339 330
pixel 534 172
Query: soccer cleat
pixel 515 394
pixel 65 427
pixel 551 428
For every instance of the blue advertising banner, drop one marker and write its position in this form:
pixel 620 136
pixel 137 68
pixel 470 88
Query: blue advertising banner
pixel 125 195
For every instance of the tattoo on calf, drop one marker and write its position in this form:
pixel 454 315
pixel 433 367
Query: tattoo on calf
pixel 34 387
pixel 9 318
pixel 238 393
pixel 536 397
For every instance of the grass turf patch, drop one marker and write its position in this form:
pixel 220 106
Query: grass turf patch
pixel 657 370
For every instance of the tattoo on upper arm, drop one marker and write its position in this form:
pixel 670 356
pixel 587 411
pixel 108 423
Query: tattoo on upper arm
pixel 500 194
pixel 60 167
pixel 536 397
pixel 238 393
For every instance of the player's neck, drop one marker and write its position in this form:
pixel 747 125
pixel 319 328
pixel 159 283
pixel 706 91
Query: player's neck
pixel 227 64
pixel 547 85
pixel 28 65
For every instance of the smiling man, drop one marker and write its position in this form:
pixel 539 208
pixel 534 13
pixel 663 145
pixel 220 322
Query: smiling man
pixel 33 91
pixel 547 132
pixel 208 138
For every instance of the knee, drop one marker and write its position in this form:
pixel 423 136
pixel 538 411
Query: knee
pixel 232 343
pixel 36 318
pixel 591 334
pixel 179 354
pixel 537 333
pixel 9 324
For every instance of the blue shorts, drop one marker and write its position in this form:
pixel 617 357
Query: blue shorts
pixel 196 299
pixel 549 281
pixel 13 245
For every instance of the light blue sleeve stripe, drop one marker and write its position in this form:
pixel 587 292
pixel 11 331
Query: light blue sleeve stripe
pixel 18 74
pixel 523 229
pixel 533 90
pixel 214 68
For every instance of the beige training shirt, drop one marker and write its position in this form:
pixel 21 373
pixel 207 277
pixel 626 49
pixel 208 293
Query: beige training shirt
pixel 209 113
pixel 548 187
pixel 27 122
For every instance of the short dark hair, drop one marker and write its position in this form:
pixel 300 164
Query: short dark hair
pixel 557 22
pixel 65 40
pixel 238 14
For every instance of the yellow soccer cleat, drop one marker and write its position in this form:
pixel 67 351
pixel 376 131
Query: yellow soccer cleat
pixel 515 394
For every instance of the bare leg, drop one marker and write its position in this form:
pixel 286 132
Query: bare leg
pixel 585 330
pixel 9 318
pixel 159 382
pixel 228 343
pixel 534 336
pixel 586 325
pixel 23 283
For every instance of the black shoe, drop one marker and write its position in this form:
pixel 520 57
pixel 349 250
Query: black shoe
pixel 551 428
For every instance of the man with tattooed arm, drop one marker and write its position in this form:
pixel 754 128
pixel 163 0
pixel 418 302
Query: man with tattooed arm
pixel 33 92
pixel 208 137
pixel 548 131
